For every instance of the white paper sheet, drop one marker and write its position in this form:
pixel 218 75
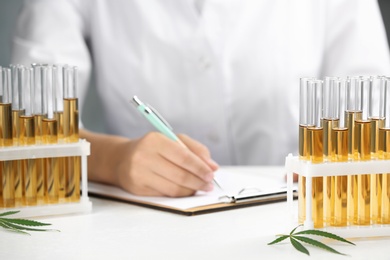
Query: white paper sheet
pixel 232 183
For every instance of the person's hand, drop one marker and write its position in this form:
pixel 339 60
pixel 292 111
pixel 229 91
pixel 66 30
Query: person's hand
pixel 155 165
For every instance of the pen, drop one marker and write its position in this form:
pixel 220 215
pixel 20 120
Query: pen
pixel 159 123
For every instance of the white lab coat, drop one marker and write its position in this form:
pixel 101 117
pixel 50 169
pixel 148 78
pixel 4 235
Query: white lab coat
pixel 225 72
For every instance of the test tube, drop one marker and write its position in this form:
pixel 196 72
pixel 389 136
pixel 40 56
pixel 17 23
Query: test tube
pixel 27 136
pixel 375 90
pixel 50 136
pixel 39 114
pixel 303 146
pixel 329 120
pixel 384 150
pixel 339 153
pixel 352 112
pixel 363 148
pixel 7 189
pixel 17 111
pixel 58 106
pixel 71 134
pixel 315 139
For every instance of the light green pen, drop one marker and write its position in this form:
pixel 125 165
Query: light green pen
pixel 159 123
pixel 155 119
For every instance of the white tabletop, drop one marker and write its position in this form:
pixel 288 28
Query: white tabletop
pixel 116 230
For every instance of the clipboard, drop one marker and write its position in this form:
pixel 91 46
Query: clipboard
pixel 240 189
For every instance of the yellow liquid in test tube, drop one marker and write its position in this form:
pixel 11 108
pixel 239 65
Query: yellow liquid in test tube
pixel 59 116
pixel 72 164
pixel 363 137
pixel 40 161
pixel 339 153
pixel 329 181
pixel 7 190
pixel 376 179
pixel 303 155
pixel 384 153
pixel 17 164
pixel 49 136
pixel 351 117
pixel 315 138
pixel 28 166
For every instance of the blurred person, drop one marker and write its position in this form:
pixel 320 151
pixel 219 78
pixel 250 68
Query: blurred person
pixel 224 73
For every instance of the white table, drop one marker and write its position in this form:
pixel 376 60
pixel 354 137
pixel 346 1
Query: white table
pixel 117 230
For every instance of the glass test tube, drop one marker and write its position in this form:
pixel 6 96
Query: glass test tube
pixel 27 136
pixel 363 148
pixel 375 89
pixel 352 112
pixel 330 117
pixel 71 134
pixel 303 147
pixel 58 104
pixel 329 120
pixel 17 111
pixel 315 139
pixel 39 114
pixel 50 136
pixel 384 151
pixel 339 153
pixel 7 188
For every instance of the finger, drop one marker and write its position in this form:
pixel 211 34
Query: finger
pixel 184 158
pixel 168 188
pixel 178 175
pixel 145 182
pixel 200 150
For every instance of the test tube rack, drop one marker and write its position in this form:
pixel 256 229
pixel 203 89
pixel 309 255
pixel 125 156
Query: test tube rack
pixel 309 170
pixel 80 148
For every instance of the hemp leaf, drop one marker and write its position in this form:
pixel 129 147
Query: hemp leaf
pixel 298 237
pixel 19 225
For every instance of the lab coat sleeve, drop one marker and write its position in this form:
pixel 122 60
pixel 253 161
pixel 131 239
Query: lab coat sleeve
pixel 52 32
pixel 356 42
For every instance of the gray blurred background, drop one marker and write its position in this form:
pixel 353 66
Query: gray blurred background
pixel 91 111
pixel 8 13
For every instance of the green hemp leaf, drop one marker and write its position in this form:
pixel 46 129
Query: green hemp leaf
pixel 298 237
pixel 19 225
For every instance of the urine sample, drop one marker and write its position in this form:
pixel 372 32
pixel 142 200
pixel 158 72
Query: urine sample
pixel 384 152
pixel 329 120
pixel 71 134
pixel 339 138
pixel 303 147
pixel 58 106
pixel 315 148
pixel 50 136
pixel 27 137
pixel 352 112
pixel 17 111
pixel 363 148
pixel 39 115
pixel 7 190
pixel 376 105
